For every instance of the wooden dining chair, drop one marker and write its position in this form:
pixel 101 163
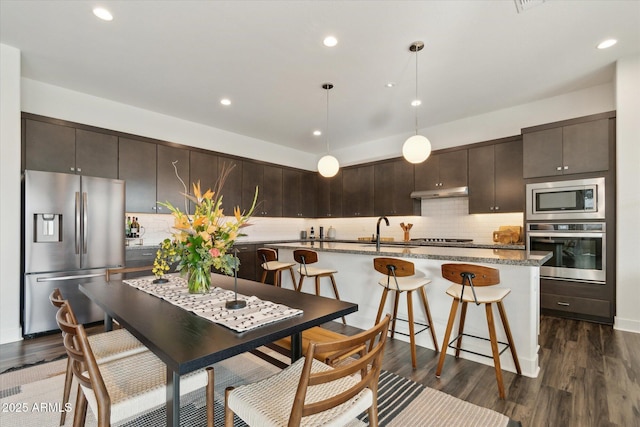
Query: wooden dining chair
pixel 107 346
pixel 122 388
pixel 312 390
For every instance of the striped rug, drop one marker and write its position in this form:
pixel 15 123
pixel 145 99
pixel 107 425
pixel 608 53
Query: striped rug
pixel 30 397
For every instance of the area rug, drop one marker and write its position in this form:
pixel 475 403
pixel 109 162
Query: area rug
pixel 30 397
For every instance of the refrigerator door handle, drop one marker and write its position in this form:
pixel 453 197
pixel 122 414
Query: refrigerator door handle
pixel 85 230
pixel 77 221
pixel 63 278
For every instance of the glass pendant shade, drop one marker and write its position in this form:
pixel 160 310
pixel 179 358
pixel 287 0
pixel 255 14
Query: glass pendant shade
pixel 416 149
pixel 328 166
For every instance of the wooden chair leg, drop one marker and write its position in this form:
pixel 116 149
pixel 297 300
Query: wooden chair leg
pixel 80 413
pixel 425 302
pixel 228 413
pixel 335 291
pixel 293 278
pixel 68 379
pixel 447 335
pixel 463 318
pixel 299 288
pixel 507 330
pixel 383 300
pixel 494 349
pixel 276 278
pixel 318 285
pixel 210 397
pixel 264 276
pixel 412 335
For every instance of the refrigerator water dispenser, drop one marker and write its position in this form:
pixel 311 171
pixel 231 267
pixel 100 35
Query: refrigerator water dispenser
pixel 47 228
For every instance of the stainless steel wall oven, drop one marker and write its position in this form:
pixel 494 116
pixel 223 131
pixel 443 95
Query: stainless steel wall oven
pixel 579 250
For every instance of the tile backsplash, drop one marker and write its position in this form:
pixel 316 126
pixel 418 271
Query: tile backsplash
pixel 445 218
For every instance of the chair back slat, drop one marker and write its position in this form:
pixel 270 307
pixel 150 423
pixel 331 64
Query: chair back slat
pixel 305 256
pixel 267 254
pixel 368 364
pixel 481 275
pixel 391 266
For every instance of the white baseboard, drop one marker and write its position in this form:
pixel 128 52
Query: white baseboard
pixel 628 325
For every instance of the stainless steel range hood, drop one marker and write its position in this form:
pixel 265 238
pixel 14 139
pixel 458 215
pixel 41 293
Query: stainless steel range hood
pixel 441 193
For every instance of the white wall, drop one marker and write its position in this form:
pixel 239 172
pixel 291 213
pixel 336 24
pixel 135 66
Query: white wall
pixel 40 98
pixel 627 195
pixel 10 190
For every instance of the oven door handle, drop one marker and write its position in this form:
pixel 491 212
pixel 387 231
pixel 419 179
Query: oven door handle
pixel 552 235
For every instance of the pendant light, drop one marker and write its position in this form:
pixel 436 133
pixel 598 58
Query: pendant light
pixel 417 148
pixel 328 165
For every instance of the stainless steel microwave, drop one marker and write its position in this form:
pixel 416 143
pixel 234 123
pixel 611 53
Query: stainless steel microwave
pixel 577 199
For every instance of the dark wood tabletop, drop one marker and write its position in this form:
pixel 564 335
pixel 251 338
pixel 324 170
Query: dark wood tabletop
pixel 186 342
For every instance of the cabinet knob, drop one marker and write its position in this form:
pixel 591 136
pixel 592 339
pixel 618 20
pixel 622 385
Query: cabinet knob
pixel 72 169
pixel 559 168
pixel 490 208
pixel 564 304
pixel 566 167
pixel 79 169
pixel 497 208
pixel 153 208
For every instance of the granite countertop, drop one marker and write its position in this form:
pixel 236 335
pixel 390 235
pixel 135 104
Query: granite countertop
pixel 446 253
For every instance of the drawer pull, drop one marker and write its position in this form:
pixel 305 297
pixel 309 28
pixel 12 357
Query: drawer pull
pixel 147 254
pixel 564 304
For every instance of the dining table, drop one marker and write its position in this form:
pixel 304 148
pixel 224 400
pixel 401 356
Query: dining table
pixel 186 342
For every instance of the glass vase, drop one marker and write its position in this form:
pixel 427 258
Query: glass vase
pixel 199 280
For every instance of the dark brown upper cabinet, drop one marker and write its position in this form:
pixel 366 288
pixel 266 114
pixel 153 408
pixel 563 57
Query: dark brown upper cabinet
pixel 357 191
pixel 445 170
pixel 232 190
pixel 569 149
pixel 57 148
pixel 495 178
pixel 393 184
pixel 268 180
pixel 168 187
pixel 299 194
pixel 203 168
pixel 329 196
pixel 137 166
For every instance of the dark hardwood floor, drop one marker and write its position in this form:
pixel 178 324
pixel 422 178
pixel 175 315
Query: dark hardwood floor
pixel 589 376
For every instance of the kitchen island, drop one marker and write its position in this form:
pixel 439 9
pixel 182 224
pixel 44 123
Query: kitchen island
pixel 357 282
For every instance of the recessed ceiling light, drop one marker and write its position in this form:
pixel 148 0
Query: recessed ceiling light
pixel 225 101
pixel 416 102
pixel 390 84
pixel 317 133
pixel 607 43
pixel 330 41
pixel 103 14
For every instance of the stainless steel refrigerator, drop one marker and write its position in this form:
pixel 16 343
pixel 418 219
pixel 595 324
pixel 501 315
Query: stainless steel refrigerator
pixel 73 232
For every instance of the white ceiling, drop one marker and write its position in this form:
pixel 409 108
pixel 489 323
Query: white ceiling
pixel 181 57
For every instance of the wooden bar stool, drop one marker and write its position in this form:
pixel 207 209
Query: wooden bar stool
pixel 400 277
pixel 305 258
pixel 471 282
pixel 269 258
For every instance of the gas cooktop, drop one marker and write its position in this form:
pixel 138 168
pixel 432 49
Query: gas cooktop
pixel 440 240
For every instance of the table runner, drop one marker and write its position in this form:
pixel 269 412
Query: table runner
pixel 211 305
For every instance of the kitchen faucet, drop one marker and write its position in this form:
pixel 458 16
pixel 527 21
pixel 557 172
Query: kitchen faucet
pixel 378 231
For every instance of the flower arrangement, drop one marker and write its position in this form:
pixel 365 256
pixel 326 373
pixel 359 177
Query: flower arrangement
pixel 204 239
